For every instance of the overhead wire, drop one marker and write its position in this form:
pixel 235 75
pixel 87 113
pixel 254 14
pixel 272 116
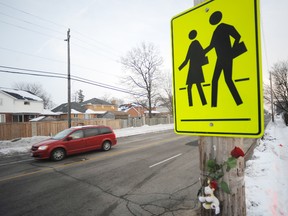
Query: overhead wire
pixel 56 60
pixel 31 23
pixel 31 30
pixel 15 70
pixel 30 14
pixel 264 42
pixel 111 50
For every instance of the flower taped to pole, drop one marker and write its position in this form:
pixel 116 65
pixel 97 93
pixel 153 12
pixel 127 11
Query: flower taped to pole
pixel 215 173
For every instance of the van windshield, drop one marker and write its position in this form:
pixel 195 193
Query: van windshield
pixel 62 134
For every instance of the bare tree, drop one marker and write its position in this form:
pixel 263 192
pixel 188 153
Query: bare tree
pixel 142 66
pixel 279 90
pixel 113 100
pixel 80 96
pixel 37 90
pixel 165 95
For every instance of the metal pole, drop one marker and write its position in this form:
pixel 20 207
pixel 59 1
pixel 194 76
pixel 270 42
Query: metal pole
pixel 272 98
pixel 69 79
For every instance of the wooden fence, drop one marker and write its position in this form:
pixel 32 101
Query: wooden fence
pixel 10 131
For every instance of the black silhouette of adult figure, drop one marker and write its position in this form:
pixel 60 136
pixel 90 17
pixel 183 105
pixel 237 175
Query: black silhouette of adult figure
pixel 196 58
pixel 225 55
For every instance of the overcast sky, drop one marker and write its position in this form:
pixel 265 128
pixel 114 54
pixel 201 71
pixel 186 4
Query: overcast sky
pixel 33 32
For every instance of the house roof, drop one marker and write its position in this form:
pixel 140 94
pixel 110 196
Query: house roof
pixel 20 94
pixel 37 119
pixel 96 101
pixel 123 107
pixel 49 113
pixel 74 106
pixel 89 111
pixel 118 113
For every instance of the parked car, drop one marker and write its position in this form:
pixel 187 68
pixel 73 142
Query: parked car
pixel 73 141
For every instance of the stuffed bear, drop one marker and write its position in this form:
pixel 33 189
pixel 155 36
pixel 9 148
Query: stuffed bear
pixel 209 200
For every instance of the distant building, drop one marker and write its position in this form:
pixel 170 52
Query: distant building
pixel 90 109
pixel 134 110
pixel 99 105
pixel 19 106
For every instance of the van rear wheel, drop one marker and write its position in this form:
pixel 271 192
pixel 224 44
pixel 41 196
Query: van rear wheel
pixel 106 146
pixel 58 154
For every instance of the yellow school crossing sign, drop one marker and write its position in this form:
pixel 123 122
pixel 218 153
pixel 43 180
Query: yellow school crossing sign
pixel 217 79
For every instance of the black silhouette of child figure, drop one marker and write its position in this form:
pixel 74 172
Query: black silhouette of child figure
pixel 196 58
pixel 225 55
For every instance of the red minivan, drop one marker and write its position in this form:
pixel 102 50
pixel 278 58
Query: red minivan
pixel 75 140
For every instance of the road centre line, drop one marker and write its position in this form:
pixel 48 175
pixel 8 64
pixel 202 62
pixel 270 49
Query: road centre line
pixel 163 161
pixel 15 162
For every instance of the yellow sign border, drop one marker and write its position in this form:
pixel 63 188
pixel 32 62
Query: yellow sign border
pixel 260 117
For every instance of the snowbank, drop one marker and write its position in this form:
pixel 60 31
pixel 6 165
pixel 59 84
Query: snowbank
pixel 23 145
pixel 266 173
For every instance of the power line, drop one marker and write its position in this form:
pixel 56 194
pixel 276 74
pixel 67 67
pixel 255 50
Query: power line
pixel 93 51
pixel 58 38
pixel 59 25
pixel 112 51
pixel 100 50
pixel 31 30
pixel 49 74
pixel 31 23
pixel 30 14
pixel 55 60
pixel 28 54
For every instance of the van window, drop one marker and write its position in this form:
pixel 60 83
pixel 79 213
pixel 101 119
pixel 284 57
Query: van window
pixel 91 132
pixel 105 130
pixel 77 134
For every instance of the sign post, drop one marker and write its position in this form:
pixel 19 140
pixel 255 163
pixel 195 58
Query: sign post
pixel 217 84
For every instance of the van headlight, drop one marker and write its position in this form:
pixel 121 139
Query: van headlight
pixel 44 147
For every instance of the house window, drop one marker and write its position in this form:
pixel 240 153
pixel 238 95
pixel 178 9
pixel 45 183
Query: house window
pixel 17 118
pixel 75 115
pixel 2 118
pixel 26 103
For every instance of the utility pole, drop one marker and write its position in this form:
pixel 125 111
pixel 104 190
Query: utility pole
pixel 219 148
pixel 272 98
pixel 69 79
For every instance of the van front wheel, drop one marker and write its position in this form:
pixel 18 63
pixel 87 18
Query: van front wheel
pixel 58 154
pixel 106 146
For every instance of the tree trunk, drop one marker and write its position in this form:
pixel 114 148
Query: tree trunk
pixel 219 148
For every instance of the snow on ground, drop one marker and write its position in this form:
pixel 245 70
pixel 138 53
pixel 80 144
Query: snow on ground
pixel 265 175
pixel 23 145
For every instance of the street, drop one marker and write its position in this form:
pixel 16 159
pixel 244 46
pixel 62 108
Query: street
pixel 149 174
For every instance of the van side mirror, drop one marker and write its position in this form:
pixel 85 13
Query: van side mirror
pixel 69 138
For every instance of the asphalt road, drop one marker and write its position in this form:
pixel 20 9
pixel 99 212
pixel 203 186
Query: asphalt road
pixel 151 174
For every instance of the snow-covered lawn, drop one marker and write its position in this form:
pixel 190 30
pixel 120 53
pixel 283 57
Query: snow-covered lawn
pixel 266 174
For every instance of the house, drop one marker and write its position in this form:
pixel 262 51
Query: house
pixel 99 105
pixel 47 115
pixel 103 109
pixel 19 106
pixel 77 111
pixel 90 109
pixel 135 110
